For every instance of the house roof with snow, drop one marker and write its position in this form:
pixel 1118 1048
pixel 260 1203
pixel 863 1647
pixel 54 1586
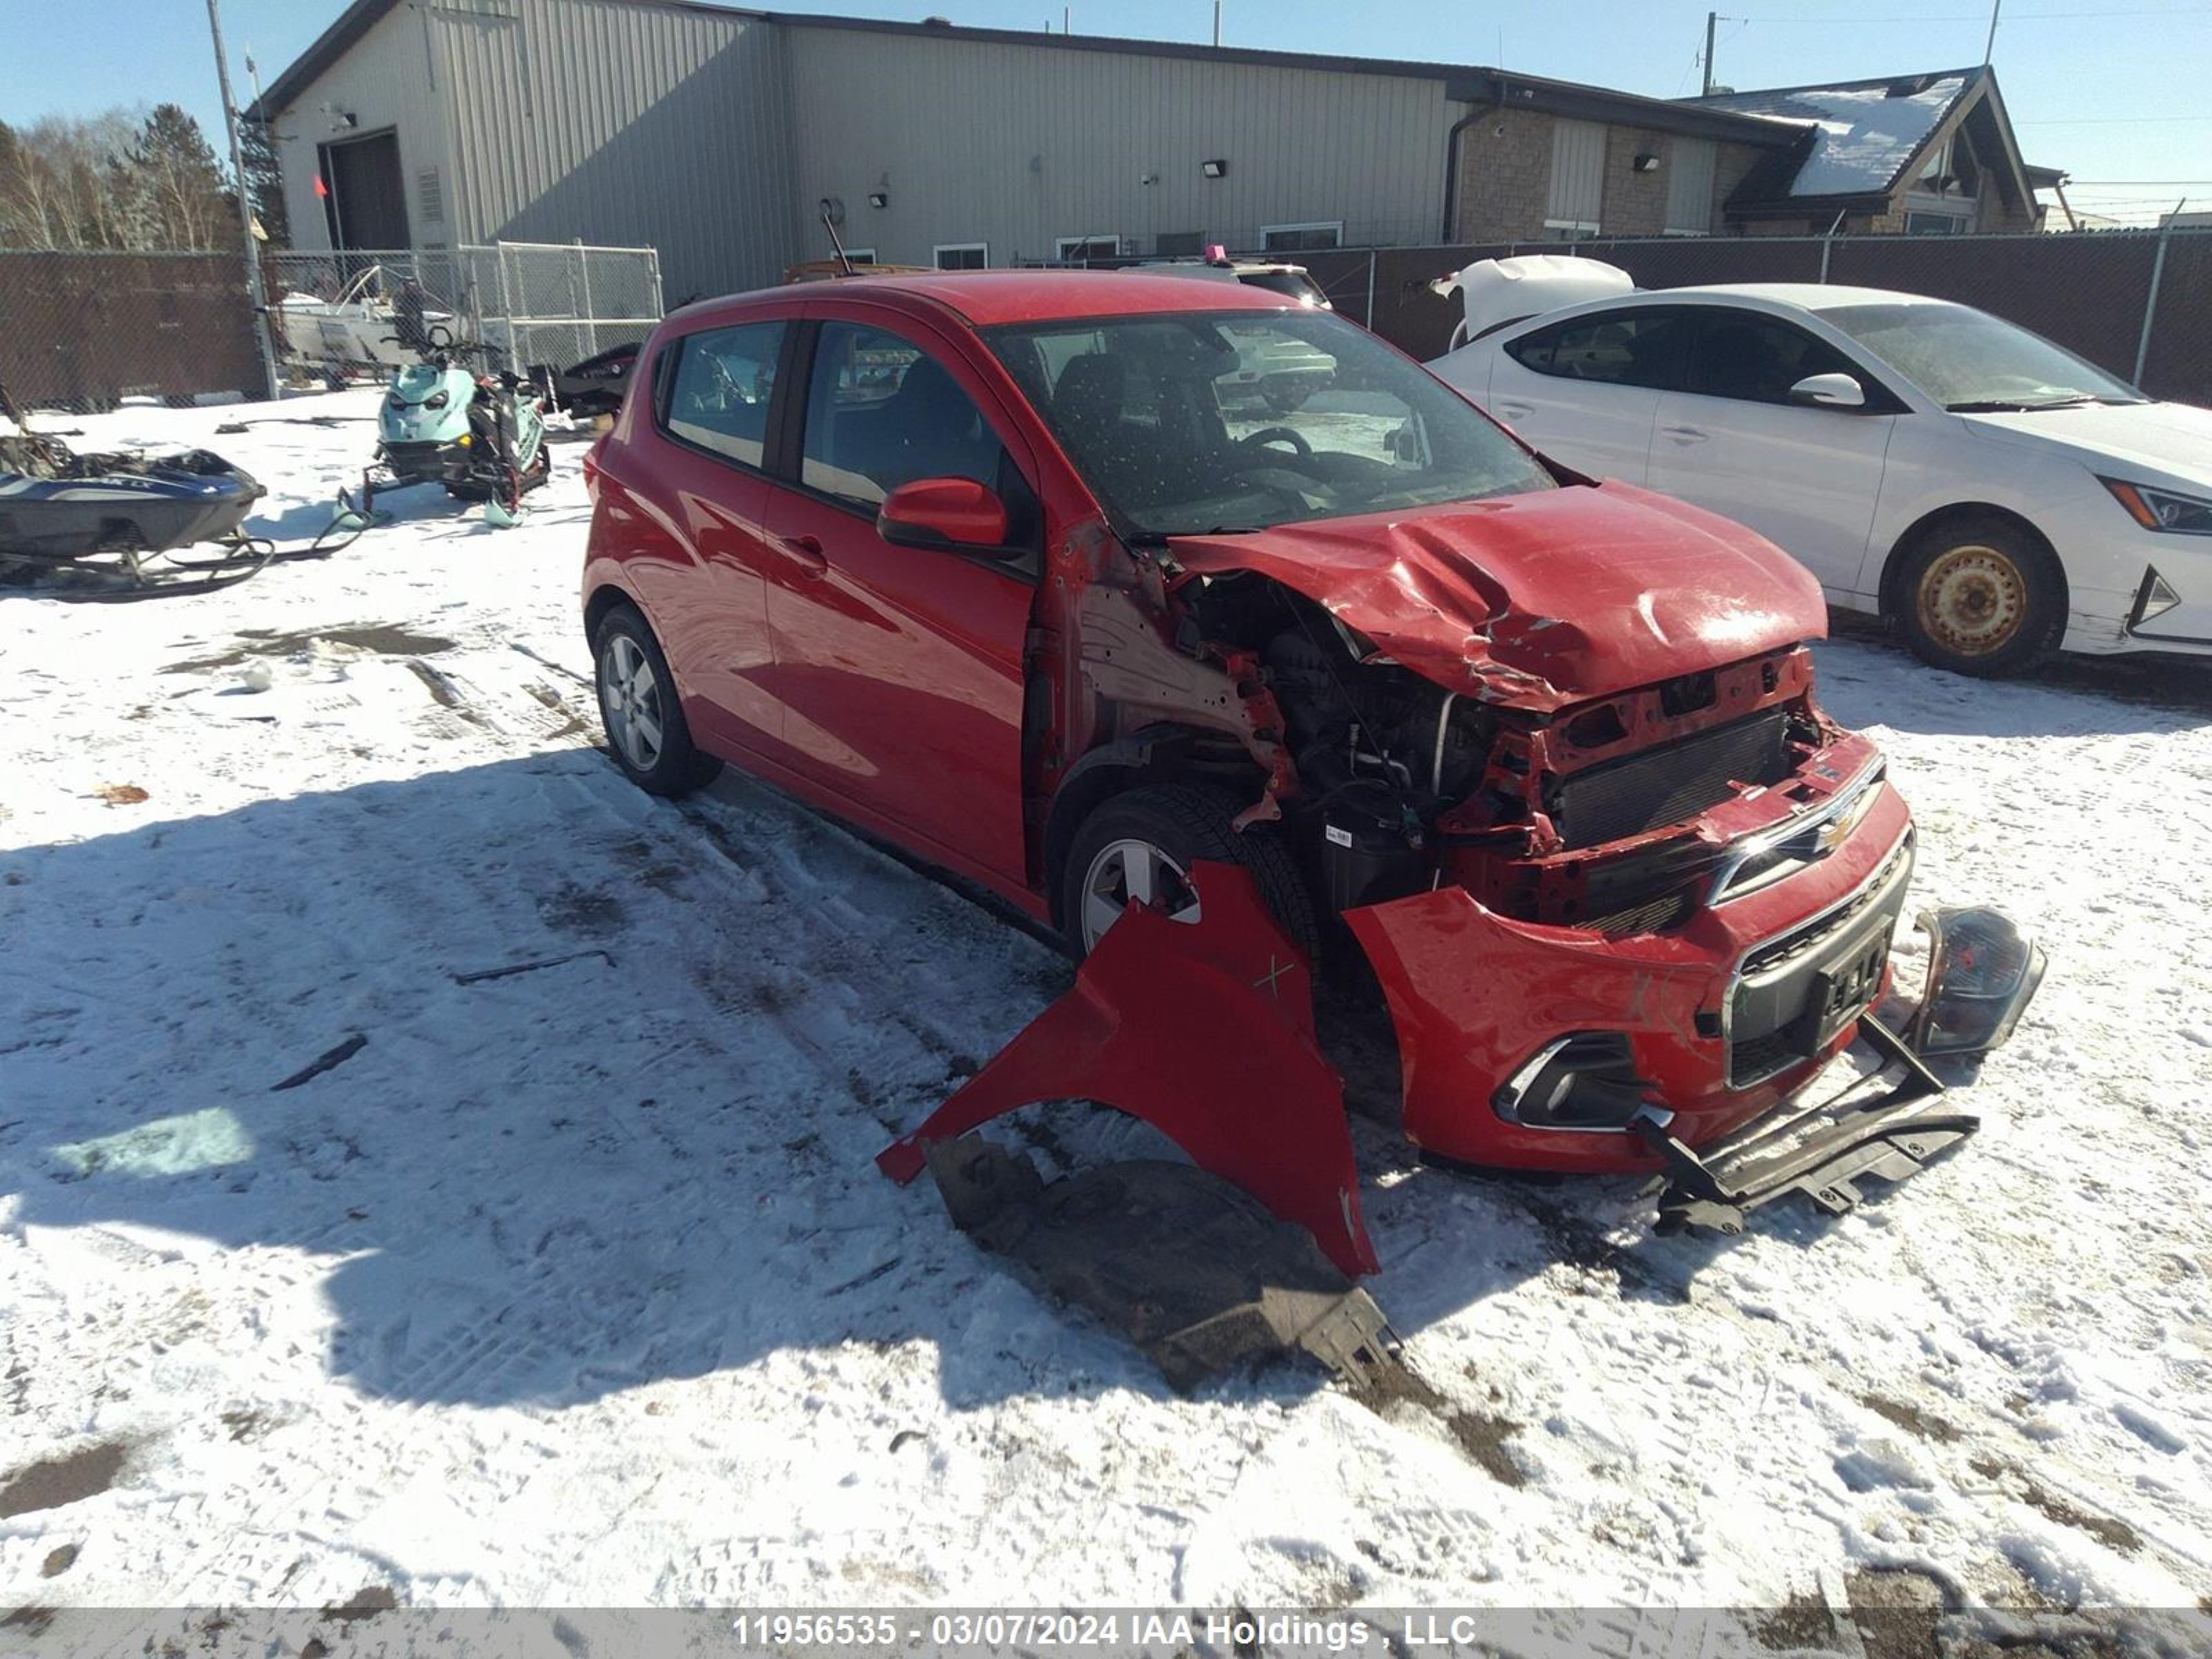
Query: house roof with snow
pixel 1865 142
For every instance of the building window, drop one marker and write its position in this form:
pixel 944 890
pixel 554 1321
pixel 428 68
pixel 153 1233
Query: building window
pixel 860 256
pixel 1690 187
pixel 1082 249
pixel 1294 238
pixel 1577 197
pixel 1935 224
pixel 1179 244
pixel 963 256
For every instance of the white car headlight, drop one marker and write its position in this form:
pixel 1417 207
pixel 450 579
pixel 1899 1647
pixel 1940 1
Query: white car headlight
pixel 2162 509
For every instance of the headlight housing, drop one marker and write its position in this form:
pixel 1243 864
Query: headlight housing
pixel 2162 509
pixel 1982 969
pixel 437 400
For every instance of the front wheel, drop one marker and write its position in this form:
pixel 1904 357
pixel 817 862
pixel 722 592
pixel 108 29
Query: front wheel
pixel 1140 847
pixel 638 705
pixel 1981 596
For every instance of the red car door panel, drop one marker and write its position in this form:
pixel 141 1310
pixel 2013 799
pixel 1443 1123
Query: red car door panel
pixel 713 421
pixel 898 670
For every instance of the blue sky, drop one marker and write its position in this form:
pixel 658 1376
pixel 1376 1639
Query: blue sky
pixel 2112 90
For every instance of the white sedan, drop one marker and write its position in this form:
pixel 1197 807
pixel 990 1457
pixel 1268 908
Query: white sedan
pixel 1998 497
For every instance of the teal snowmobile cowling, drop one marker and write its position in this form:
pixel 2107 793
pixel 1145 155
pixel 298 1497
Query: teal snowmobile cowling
pixel 480 436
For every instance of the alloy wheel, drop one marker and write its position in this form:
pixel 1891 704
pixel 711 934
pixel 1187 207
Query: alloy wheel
pixel 629 697
pixel 1128 870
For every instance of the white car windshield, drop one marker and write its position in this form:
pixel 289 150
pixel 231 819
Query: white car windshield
pixel 1190 423
pixel 1970 362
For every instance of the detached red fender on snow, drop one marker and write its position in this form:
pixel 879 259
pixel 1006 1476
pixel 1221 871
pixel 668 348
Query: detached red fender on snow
pixel 1205 1030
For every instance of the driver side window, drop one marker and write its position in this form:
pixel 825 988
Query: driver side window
pixel 882 412
pixel 1755 359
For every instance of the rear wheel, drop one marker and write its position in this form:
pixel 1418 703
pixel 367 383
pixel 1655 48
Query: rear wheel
pixel 638 705
pixel 1981 596
pixel 1140 846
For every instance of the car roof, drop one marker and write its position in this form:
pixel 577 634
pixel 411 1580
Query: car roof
pixel 984 298
pixel 1806 296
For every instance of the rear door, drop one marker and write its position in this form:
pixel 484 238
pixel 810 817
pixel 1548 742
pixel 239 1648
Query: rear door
pixel 712 395
pixel 1586 391
pixel 1806 477
pixel 899 669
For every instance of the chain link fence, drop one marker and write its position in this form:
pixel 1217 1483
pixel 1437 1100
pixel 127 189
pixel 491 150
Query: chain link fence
pixel 83 332
pixel 536 306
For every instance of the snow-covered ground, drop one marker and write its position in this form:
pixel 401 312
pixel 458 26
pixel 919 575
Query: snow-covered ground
pixel 577 1284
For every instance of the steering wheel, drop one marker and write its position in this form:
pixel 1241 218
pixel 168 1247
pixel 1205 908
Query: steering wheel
pixel 1273 435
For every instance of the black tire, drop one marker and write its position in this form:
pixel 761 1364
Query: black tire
pixel 1981 595
pixel 675 765
pixel 1287 400
pixel 1187 821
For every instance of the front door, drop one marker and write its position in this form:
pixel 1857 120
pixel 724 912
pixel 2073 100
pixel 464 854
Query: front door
pixel 899 669
pixel 1806 477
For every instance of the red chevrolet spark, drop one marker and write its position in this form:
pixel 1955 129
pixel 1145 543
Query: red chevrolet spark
pixel 1071 583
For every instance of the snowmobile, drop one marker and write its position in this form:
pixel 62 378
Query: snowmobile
pixel 57 508
pixel 477 435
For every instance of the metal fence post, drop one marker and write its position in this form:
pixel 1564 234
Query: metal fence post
pixel 659 300
pixel 1825 241
pixel 506 306
pixel 583 288
pixel 2150 303
pixel 1370 288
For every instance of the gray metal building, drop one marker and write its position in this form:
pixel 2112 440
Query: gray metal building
pixel 717 134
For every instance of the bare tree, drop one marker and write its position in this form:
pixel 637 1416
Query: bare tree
pixel 127 178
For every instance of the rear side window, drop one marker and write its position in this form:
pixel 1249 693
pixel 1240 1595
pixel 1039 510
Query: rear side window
pixel 1742 355
pixel 718 392
pixel 1634 348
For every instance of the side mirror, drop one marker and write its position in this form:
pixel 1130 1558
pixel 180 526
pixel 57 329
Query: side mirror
pixel 1829 392
pixel 944 512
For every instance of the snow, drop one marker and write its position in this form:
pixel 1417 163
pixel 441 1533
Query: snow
pixel 577 1285
pixel 1862 134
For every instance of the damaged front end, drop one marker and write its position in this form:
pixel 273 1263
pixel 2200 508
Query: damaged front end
pixel 1552 765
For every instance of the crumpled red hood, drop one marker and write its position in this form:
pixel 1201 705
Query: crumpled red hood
pixel 1544 599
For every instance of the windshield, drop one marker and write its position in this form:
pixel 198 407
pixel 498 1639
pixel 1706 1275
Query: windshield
pixel 1186 423
pixel 1968 360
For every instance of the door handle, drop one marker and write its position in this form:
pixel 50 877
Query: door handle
pixel 807 553
pixel 1686 434
pixel 1516 411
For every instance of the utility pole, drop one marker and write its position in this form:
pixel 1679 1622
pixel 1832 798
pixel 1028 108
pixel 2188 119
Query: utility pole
pixel 1989 46
pixel 1711 18
pixel 255 295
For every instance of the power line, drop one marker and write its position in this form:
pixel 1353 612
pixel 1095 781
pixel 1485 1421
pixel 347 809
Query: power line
pixel 2107 121
pixel 1979 17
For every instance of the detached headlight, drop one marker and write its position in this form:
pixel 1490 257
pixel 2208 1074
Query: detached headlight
pixel 437 400
pixel 2162 509
pixel 1982 969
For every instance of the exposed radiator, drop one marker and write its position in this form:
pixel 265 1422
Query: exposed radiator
pixel 1670 783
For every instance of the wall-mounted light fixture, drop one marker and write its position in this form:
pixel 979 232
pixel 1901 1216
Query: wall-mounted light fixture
pixel 1214 169
pixel 1647 163
pixel 877 199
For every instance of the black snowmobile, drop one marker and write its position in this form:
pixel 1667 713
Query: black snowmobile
pixel 58 507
